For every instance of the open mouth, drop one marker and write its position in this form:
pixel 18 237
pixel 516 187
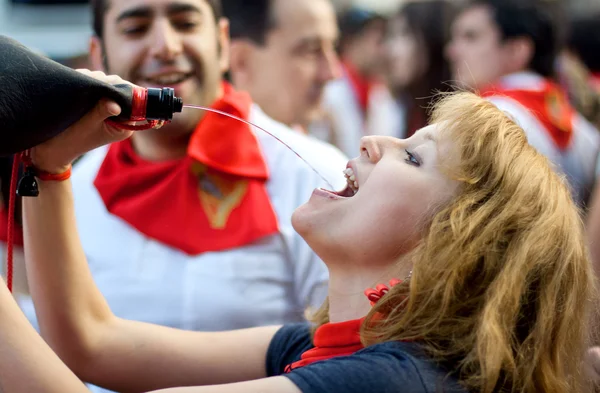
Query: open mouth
pixel 351 186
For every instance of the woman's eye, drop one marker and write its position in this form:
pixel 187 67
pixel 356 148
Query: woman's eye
pixel 412 160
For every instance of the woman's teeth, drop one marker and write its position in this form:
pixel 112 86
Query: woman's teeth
pixel 351 179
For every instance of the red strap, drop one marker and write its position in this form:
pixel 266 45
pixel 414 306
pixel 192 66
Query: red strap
pixel 11 222
pixel 135 127
pixel 44 176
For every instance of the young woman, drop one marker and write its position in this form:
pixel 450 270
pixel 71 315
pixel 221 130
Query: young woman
pixel 416 66
pixel 474 240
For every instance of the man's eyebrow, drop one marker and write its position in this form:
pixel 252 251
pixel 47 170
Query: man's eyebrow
pixel 147 12
pixel 176 8
pixel 137 12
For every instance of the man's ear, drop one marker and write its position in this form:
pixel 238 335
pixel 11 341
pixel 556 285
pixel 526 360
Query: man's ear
pixel 96 50
pixel 520 52
pixel 224 45
pixel 241 62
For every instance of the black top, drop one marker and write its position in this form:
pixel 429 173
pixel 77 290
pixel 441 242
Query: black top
pixel 393 367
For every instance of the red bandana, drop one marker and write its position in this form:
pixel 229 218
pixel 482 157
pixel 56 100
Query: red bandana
pixel 549 105
pixel 211 200
pixel 332 340
pixel 362 86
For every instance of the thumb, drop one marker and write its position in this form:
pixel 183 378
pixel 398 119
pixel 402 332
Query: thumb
pixel 109 134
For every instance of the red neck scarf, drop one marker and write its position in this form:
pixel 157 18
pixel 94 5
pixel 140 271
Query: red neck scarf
pixel 361 85
pixel 332 340
pixel 549 105
pixel 213 199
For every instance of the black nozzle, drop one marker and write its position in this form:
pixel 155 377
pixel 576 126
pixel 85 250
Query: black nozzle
pixel 162 103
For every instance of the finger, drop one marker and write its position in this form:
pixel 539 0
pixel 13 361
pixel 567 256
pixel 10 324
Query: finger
pixel 111 108
pixel 91 130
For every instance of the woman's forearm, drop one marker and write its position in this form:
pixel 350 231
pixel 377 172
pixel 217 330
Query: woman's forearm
pixel 27 364
pixel 69 307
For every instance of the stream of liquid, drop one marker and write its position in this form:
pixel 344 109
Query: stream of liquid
pixel 263 130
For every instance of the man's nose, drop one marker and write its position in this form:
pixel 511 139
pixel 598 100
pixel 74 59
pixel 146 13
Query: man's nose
pixel 450 51
pixel 166 42
pixel 330 66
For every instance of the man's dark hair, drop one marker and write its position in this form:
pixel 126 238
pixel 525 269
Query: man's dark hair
pixel 99 8
pixel 249 19
pixel 529 19
pixel 584 40
pixel 354 21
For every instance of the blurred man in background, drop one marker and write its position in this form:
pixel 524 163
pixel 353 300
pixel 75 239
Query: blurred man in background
pixel 507 49
pixel 283 54
pixel 189 226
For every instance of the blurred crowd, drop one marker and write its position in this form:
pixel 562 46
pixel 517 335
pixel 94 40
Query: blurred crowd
pixel 321 79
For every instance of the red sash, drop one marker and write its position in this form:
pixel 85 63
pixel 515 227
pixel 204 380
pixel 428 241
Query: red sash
pixel 549 105
pixel 332 340
pixel 213 199
pixel 362 86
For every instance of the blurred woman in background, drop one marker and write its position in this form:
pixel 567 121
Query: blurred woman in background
pixel 415 64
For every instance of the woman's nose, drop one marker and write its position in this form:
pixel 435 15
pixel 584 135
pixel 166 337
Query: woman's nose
pixel 370 148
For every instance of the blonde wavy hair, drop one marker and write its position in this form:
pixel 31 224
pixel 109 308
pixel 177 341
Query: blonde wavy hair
pixel 501 283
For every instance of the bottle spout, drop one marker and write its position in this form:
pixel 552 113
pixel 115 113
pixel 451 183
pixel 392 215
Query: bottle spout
pixel 162 104
pixel 177 104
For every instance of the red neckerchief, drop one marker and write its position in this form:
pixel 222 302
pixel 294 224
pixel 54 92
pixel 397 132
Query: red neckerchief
pixel 340 339
pixel 213 199
pixel 332 340
pixel 549 105
pixel 362 86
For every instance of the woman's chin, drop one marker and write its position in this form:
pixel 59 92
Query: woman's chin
pixel 300 220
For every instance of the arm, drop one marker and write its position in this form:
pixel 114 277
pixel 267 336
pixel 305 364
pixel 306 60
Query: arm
pixel 27 364
pixel 266 385
pixel 74 317
pixel 593 229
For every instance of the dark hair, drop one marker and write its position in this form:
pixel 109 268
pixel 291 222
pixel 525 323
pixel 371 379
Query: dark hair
pixel 249 19
pixel 429 21
pixel 528 18
pixel 99 8
pixel 354 21
pixel 584 40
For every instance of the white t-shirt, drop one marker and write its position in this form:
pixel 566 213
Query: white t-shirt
pixel 272 281
pixel 578 161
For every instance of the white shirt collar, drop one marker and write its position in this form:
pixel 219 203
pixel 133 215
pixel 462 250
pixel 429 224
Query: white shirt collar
pixel 522 80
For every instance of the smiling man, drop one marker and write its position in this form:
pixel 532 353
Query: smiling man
pixel 189 226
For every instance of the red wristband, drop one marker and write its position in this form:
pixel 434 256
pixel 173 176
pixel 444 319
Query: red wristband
pixel 43 175
pixel 46 176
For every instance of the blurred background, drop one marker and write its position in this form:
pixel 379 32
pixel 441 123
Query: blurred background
pixel 61 28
